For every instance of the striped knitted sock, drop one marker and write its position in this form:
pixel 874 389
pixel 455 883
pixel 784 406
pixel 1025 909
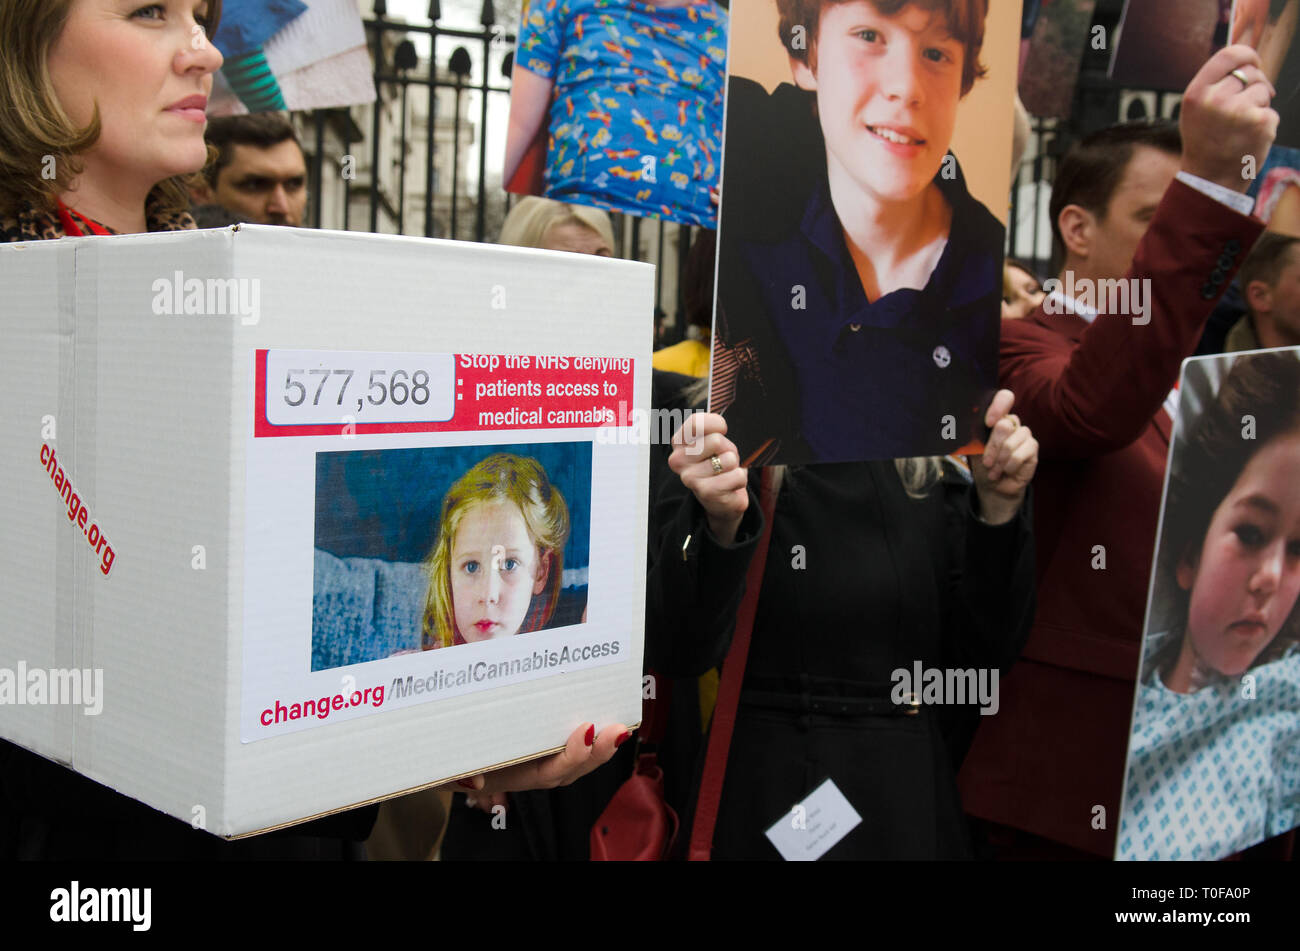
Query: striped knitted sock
pixel 252 80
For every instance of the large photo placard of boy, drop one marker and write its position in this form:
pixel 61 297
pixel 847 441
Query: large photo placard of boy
pixel 1214 750
pixel 859 262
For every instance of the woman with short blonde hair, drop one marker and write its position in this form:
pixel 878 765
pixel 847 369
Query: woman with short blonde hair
pixel 538 222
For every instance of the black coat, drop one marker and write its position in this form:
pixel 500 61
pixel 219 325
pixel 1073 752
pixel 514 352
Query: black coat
pixel 886 580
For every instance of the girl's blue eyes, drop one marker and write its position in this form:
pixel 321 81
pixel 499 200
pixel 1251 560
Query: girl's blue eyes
pixel 472 567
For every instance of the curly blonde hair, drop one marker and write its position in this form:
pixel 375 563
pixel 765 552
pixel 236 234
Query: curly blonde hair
pixel 501 477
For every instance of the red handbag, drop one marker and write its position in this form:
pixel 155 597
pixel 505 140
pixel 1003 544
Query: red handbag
pixel 637 825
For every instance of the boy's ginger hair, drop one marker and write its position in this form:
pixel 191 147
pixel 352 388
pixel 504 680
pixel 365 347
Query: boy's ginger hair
pixel 965 23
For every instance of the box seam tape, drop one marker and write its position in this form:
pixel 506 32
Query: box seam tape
pixel 85 391
pixel 65 449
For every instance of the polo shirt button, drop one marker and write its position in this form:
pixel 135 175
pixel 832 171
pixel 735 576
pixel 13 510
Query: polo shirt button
pixel 941 356
pixel 855 327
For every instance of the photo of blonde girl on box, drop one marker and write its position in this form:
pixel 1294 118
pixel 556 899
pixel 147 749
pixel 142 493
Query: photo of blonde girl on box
pixel 1214 754
pixel 495 569
pixel 437 547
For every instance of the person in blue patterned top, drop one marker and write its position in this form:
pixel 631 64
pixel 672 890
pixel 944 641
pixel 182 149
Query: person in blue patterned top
pixel 1214 758
pixel 634 96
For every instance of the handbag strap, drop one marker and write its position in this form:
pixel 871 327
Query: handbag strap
pixel 733 674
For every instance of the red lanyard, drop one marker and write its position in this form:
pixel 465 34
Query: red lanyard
pixel 70 226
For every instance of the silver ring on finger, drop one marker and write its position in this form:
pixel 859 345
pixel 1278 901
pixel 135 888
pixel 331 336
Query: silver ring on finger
pixel 1245 80
pixel 716 462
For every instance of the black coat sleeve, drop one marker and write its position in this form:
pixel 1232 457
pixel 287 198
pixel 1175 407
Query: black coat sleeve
pixel 692 600
pixel 990 605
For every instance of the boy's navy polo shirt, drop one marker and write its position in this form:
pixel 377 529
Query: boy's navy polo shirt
pixel 843 378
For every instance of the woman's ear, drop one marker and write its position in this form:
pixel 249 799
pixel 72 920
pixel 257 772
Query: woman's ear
pixel 543 571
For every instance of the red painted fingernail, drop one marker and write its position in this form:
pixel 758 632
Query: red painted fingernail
pixel 467 783
pixel 622 738
pixel 591 735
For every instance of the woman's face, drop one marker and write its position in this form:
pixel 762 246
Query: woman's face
pixel 495 571
pixel 1246 578
pixel 149 68
pixel 1021 294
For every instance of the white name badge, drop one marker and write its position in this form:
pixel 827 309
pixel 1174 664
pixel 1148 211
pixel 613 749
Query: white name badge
pixel 812 827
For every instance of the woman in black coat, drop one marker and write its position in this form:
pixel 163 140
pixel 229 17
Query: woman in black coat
pixel 872 567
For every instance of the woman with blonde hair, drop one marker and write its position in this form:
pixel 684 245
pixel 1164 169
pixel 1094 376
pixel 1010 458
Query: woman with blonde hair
pixel 554 226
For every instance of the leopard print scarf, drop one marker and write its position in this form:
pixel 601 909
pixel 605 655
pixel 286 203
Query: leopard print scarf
pixel 27 222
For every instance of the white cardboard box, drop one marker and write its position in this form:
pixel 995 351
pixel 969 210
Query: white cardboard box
pixel 203 619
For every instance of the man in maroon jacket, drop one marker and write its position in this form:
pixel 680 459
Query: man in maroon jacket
pixel 1093 370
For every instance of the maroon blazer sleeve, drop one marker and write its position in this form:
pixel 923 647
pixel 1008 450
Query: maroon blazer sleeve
pixel 1101 395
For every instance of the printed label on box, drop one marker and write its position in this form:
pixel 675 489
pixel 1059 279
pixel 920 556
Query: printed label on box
pixel 422 526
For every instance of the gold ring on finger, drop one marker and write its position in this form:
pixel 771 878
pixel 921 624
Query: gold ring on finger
pixel 717 464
